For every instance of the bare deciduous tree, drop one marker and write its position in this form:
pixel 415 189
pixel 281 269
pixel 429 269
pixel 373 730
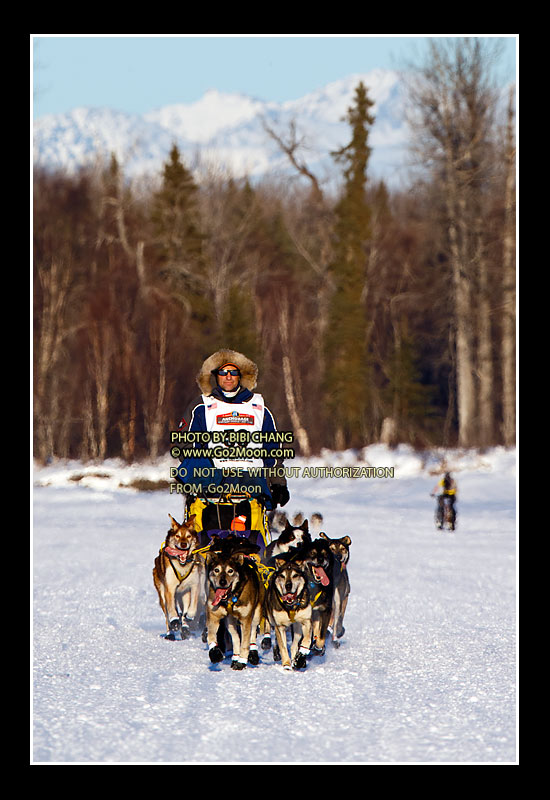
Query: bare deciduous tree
pixel 55 284
pixel 509 293
pixel 291 147
pixel 288 379
pixel 453 106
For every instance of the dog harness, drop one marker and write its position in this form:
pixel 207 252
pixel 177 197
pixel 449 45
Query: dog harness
pixel 293 608
pixel 229 602
pixel 312 586
pixel 263 569
pixel 174 553
pixel 253 562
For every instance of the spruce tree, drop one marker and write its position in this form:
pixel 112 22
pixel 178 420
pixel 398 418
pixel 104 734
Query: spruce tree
pixel 407 399
pixel 346 379
pixel 178 237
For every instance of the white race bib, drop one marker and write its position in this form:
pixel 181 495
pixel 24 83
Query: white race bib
pixel 222 416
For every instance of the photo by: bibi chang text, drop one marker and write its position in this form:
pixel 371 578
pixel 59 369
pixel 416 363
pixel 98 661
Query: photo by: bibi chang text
pixel 232 445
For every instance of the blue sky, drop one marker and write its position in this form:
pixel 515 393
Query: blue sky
pixel 136 73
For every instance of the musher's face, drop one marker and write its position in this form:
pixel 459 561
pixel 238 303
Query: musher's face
pixel 228 382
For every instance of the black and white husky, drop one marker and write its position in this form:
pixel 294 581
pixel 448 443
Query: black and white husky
pixel 292 537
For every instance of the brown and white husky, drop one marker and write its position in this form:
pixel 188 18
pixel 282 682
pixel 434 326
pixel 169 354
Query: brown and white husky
pixel 179 576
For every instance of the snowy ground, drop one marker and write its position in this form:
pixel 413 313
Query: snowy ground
pixel 426 674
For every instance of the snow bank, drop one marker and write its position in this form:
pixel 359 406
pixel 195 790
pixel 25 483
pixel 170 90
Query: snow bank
pixel 116 474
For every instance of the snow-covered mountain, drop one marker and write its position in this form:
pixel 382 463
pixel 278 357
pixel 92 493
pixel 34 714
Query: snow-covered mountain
pixel 227 132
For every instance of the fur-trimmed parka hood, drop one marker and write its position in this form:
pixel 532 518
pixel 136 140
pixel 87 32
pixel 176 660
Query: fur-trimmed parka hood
pixel 249 370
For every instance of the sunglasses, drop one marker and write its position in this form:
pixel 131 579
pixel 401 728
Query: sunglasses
pixel 224 372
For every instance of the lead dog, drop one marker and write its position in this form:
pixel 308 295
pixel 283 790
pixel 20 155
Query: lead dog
pixel 287 603
pixel 317 561
pixel 290 539
pixel 340 550
pixel 236 595
pixel 179 578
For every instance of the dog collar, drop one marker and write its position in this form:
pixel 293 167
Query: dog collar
pixel 300 602
pixel 172 553
pixel 314 591
pixel 228 602
pixel 296 602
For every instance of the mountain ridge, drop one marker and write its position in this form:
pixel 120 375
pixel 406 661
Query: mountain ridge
pixel 226 131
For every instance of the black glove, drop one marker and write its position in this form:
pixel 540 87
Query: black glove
pixel 279 494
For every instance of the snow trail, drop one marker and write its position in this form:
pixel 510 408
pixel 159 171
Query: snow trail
pixel 426 672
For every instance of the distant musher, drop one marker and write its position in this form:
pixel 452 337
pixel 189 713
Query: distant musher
pixel 446 488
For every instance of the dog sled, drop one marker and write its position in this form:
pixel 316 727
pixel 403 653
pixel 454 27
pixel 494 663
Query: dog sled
pixel 229 516
pixel 254 585
pixel 217 567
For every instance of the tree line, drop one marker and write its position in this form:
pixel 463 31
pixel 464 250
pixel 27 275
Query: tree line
pixel 373 314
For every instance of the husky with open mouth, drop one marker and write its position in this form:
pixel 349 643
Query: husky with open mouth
pixel 340 548
pixel 179 578
pixel 235 595
pixel 317 561
pixel 287 603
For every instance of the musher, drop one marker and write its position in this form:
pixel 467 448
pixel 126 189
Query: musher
pixel 445 488
pixel 227 380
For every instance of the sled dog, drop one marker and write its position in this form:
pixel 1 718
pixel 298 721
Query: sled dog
pixel 235 594
pixel 293 536
pixel 287 603
pixel 317 562
pixel 340 550
pixel 179 578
